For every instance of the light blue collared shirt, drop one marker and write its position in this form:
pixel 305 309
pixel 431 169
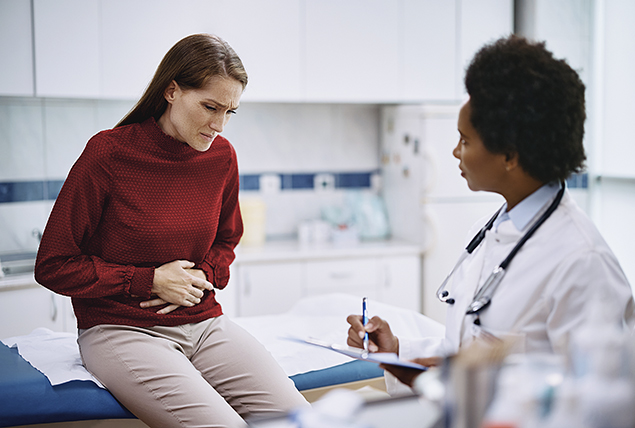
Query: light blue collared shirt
pixel 527 209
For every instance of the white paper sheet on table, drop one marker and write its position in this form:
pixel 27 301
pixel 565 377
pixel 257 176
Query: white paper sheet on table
pixel 54 354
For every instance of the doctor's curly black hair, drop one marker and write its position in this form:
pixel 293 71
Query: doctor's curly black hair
pixel 525 101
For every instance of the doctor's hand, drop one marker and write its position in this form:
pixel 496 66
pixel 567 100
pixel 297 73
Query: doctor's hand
pixel 407 375
pixel 380 336
pixel 178 284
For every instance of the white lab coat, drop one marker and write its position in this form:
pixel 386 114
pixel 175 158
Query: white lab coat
pixel 542 297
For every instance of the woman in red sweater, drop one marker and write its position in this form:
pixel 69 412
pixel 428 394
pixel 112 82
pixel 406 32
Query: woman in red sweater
pixel 141 234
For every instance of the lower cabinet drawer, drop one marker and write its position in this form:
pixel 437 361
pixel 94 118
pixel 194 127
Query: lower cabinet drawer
pixel 341 275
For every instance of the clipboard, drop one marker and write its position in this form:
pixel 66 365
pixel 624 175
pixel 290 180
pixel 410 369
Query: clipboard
pixel 359 354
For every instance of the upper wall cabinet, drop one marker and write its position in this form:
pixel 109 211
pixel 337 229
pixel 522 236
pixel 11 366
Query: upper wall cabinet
pixel 358 51
pixel 135 35
pixel 268 37
pixel 380 51
pixel 352 50
pixel 67 54
pixel 16 48
pixel 480 22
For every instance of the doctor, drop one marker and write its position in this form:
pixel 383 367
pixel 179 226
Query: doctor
pixel 540 259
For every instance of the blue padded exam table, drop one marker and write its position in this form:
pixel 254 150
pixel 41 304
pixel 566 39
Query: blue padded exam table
pixel 27 396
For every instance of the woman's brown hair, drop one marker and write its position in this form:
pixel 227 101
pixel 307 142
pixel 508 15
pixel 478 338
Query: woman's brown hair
pixel 190 63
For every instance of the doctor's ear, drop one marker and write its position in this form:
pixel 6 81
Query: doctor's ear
pixel 511 161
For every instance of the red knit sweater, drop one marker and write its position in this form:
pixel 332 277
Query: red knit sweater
pixel 135 200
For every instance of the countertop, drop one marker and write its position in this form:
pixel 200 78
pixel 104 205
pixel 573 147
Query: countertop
pixel 278 251
pixel 12 282
pixel 292 250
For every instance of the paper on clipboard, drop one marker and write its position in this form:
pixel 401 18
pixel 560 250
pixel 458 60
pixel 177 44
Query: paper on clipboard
pixel 359 354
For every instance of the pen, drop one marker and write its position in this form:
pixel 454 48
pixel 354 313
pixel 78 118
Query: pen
pixel 364 322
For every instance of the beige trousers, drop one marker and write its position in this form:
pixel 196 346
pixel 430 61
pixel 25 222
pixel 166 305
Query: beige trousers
pixel 208 374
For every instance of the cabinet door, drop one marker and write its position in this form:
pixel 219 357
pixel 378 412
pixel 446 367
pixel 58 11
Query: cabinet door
pixel 356 276
pixel 400 281
pixel 429 50
pixel 67 48
pixel 265 289
pixel 228 296
pixel 16 50
pixel 352 50
pixel 136 35
pixel 269 42
pixel 67 315
pixel 481 22
pixel 24 310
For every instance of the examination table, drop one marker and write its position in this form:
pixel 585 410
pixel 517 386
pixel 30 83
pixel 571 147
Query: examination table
pixel 61 393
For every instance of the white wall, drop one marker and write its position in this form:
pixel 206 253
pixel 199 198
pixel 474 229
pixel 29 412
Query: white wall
pixel 40 139
pixel 614 190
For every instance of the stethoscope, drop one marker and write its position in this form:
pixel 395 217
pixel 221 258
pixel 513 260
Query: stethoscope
pixel 484 296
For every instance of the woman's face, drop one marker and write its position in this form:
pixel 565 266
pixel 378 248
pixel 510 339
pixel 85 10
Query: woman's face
pixel 197 116
pixel 482 169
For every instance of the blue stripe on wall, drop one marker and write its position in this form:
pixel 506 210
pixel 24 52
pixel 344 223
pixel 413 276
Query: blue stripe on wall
pixel 25 191
pixel 53 188
pixel 305 181
pixel 47 190
pixel 578 181
pixel 250 182
pixel 22 191
pixel 352 181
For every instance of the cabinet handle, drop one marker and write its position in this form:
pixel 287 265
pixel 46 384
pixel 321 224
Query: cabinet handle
pixel 247 287
pixel 340 275
pixel 53 308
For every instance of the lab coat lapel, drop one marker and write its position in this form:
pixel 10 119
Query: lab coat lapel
pixel 463 288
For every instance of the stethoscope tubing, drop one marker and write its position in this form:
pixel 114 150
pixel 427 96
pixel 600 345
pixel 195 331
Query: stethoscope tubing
pixel 483 297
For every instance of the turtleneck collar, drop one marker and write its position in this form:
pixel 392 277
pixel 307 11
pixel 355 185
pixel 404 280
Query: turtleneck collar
pixel 165 141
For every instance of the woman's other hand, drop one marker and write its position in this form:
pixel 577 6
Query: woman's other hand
pixel 177 284
pixel 380 336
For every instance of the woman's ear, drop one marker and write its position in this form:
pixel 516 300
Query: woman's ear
pixel 170 92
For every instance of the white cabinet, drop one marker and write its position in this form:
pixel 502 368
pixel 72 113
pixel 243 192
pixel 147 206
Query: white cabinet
pixel 24 309
pixel 111 49
pixel 271 281
pixel 268 37
pixel 350 275
pixel 368 51
pixel 16 48
pixel 396 51
pixel 399 282
pixel 480 22
pixel 267 288
pixel 429 40
pixel 137 34
pixel 352 50
pixel 67 48
pixel 382 51
pixel 394 280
